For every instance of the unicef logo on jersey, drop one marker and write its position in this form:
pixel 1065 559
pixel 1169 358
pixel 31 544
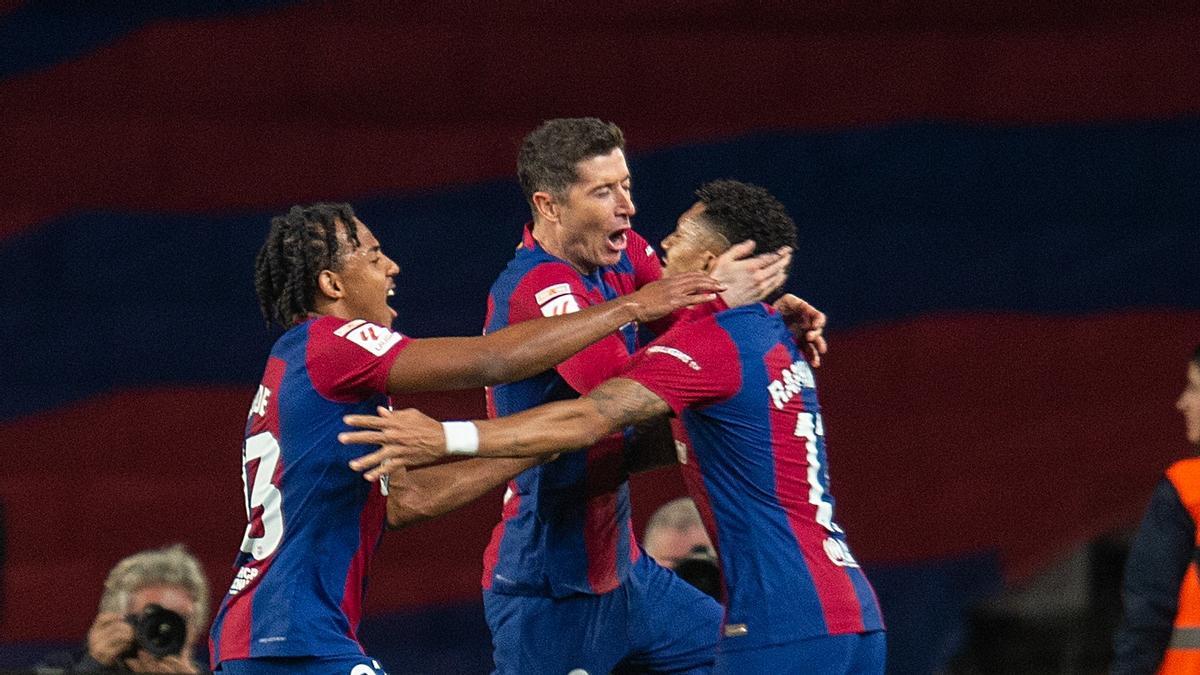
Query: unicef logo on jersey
pixel 839 553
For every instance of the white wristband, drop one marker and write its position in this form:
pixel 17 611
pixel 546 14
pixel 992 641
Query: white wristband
pixel 462 438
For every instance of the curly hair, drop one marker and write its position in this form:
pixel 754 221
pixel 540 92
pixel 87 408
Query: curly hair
pixel 741 211
pixel 300 244
pixel 173 565
pixel 549 153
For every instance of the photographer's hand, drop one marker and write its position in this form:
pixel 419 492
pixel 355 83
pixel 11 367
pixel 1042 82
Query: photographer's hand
pixel 147 663
pixel 108 638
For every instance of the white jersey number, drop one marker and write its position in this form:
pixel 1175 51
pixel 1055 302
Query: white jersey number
pixel 264 504
pixel 810 427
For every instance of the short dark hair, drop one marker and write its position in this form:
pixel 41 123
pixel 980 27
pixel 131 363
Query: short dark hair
pixel 549 153
pixel 741 211
pixel 300 244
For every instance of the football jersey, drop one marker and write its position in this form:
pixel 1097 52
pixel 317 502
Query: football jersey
pixel 313 523
pixel 565 524
pixel 747 400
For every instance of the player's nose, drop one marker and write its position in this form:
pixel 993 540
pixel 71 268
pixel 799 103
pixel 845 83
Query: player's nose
pixel 625 205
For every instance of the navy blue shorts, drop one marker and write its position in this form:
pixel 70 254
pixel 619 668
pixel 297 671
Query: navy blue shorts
pixel 856 653
pixel 654 622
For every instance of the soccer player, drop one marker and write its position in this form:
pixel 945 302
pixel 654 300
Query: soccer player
pixel 295 603
pixel 563 561
pixel 565 585
pixel 746 403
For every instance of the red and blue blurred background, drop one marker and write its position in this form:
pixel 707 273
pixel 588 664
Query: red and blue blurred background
pixel 998 210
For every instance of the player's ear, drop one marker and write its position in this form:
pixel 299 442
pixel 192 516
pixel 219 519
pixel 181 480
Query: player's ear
pixel 329 284
pixel 710 259
pixel 546 206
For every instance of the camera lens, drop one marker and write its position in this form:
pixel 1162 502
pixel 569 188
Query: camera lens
pixel 701 572
pixel 159 631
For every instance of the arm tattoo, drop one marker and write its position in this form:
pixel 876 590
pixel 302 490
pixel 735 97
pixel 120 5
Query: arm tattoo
pixel 626 402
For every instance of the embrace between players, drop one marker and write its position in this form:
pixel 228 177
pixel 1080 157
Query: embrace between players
pixel 576 406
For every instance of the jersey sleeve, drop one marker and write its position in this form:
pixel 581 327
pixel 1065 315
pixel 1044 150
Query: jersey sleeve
pixel 552 289
pixel 647 266
pixel 685 314
pixel 693 365
pixel 349 360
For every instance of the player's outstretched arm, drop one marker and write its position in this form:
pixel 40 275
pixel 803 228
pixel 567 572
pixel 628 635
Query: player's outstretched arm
pixel 530 347
pixel 415 439
pixel 418 495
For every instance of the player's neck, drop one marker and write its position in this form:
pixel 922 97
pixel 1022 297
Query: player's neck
pixel 547 236
pixel 334 309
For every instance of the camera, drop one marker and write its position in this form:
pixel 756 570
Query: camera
pixel 157 630
pixel 700 569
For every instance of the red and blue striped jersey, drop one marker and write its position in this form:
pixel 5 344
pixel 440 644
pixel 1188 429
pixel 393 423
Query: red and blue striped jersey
pixel 313 523
pixel 565 525
pixel 747 400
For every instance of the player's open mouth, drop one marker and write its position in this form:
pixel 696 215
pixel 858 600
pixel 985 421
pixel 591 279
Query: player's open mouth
pixel 391 293
pixel 618 240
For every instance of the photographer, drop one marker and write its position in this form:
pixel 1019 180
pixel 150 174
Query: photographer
pixel 153 611
pixel 675 537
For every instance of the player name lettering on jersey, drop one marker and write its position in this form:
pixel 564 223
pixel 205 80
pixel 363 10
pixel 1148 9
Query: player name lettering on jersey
pixel 556 300
pixel 244 576
pixel 791 380
pixel 370 336
pixel 671 351
pixel 261 398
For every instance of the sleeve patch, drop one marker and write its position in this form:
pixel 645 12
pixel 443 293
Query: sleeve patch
pixel 556 300
pixel 371 337
pixel 561 305
pixel 550 292
pixel 348 326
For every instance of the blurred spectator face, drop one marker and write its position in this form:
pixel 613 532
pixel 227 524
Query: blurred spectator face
pixel 668 546
pixel 1189 403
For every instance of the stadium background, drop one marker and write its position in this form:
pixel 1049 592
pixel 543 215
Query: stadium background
pixel 997 206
